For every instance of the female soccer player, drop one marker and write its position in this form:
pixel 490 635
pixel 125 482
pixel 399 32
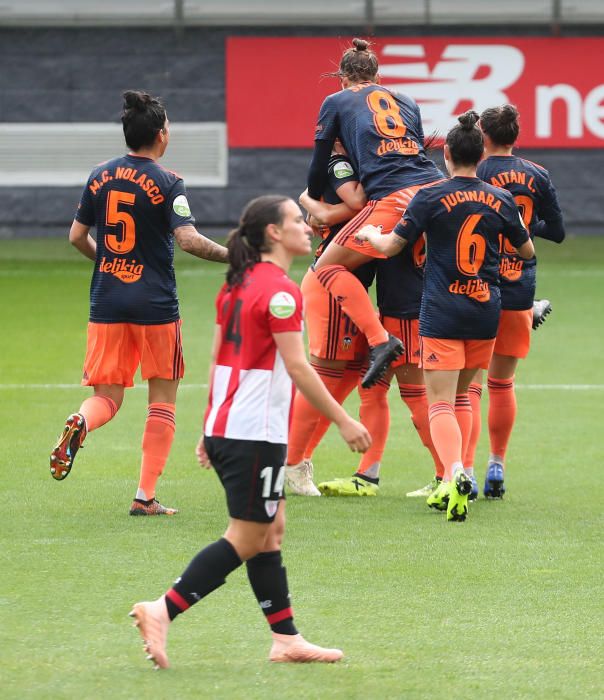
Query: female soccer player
pixel 383 136
pixel 535 195
pixel 463 218
pixel 138 208
pixel 258 356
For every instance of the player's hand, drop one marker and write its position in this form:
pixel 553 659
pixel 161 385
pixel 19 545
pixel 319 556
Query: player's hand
pixel 369 233
pixel 202 455
pixel 355 435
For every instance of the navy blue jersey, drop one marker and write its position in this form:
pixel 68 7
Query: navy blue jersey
pixel 536 199
pixel 135 205
pixel 340 172
pixel 462 218
pixel 382 134
pixel 399 282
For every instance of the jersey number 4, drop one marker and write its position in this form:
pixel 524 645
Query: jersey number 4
pixel 123 241
pixel 233 328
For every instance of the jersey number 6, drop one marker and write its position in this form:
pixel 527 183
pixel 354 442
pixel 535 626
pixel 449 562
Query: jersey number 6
pixel 123 243
pixel 471 246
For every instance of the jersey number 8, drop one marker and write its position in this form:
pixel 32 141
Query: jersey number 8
pixel 386 115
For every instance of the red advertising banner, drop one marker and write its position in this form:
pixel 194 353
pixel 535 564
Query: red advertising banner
pixel 275 89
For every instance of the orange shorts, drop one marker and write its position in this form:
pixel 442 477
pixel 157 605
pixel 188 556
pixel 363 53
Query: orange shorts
pixel 408 332
pixel 451 353
pixel 331 334
pixel 514 333
pixel 115 350
pixel 386 212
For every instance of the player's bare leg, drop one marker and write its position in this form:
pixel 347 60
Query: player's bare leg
pixel 152 621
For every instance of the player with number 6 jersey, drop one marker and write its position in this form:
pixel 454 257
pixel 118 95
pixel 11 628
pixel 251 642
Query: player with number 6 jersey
pixel 257 357
pixel 138 208
pixel 462 219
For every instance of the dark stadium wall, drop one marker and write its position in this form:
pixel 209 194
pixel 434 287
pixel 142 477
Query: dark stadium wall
pixel 77 75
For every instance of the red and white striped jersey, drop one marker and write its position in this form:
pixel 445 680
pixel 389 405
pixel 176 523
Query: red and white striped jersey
pixel 251 393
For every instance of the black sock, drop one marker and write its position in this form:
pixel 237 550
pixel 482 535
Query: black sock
pixel 367 478
pixel 269 582
pixel 205 573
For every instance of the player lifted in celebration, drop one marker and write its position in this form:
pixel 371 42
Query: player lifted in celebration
pixel 138 209
pixel 383 136
pixel 462 218
pixel 258 356
pixel 537 201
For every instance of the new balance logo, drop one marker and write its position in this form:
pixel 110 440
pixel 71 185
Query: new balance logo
pixel 453 80
pixel 432 358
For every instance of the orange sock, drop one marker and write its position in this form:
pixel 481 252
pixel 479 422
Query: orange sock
pixel 502 414
pixel 475 394
pixel 414 395
pixel 340 393
pixel 375 416
pixel 98 410
pixel 305 417
pixel 446 436
pixel 463 413
pixel 157 441
pixel 346 289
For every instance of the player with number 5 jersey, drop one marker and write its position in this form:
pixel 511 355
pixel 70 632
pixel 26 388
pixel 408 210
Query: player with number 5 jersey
pixel 463 219
pixel 138 209
pixel 382 133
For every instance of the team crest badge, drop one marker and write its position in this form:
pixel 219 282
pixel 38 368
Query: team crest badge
pixel 282 305
pixel 346 342
pixel 271 508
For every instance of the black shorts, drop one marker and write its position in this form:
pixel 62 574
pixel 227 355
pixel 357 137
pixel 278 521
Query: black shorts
pixel 252 474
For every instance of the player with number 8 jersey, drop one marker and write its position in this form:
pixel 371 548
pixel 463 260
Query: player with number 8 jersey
pixel 382 133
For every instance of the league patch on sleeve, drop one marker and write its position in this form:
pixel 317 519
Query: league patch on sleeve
pixel 282 305
pixel 181 206
pixel 342 170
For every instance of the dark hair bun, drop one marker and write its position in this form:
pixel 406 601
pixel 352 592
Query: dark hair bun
pixel 509 114
pixel 360 44
pixel 468 119
pixel 134 99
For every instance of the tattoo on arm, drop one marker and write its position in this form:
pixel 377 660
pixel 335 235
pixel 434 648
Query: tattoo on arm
pixel 191 241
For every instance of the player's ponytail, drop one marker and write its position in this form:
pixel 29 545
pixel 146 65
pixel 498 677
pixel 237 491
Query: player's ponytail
pixel 359 63
pixel 465 140
pixel 501 124
pixel 142 117
pixel 246 242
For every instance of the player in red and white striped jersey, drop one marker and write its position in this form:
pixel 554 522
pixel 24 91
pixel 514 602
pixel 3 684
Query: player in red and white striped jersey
pixel 258 357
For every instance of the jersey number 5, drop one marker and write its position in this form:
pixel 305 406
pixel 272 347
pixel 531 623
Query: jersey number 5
pixel 471 246
pixel 124 242
pixel 386 115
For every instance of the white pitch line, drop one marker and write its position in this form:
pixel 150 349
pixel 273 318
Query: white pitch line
pixel 528 387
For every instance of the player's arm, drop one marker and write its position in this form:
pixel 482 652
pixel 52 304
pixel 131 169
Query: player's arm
pixel 325 136
pixel 191 241
pixel 291 348
pixel 551 224
pixel 326 214
pixel 200 450
pixel 526 250
pixel 80 238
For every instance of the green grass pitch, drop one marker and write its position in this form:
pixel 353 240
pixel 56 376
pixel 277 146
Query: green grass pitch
pixel 505 605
